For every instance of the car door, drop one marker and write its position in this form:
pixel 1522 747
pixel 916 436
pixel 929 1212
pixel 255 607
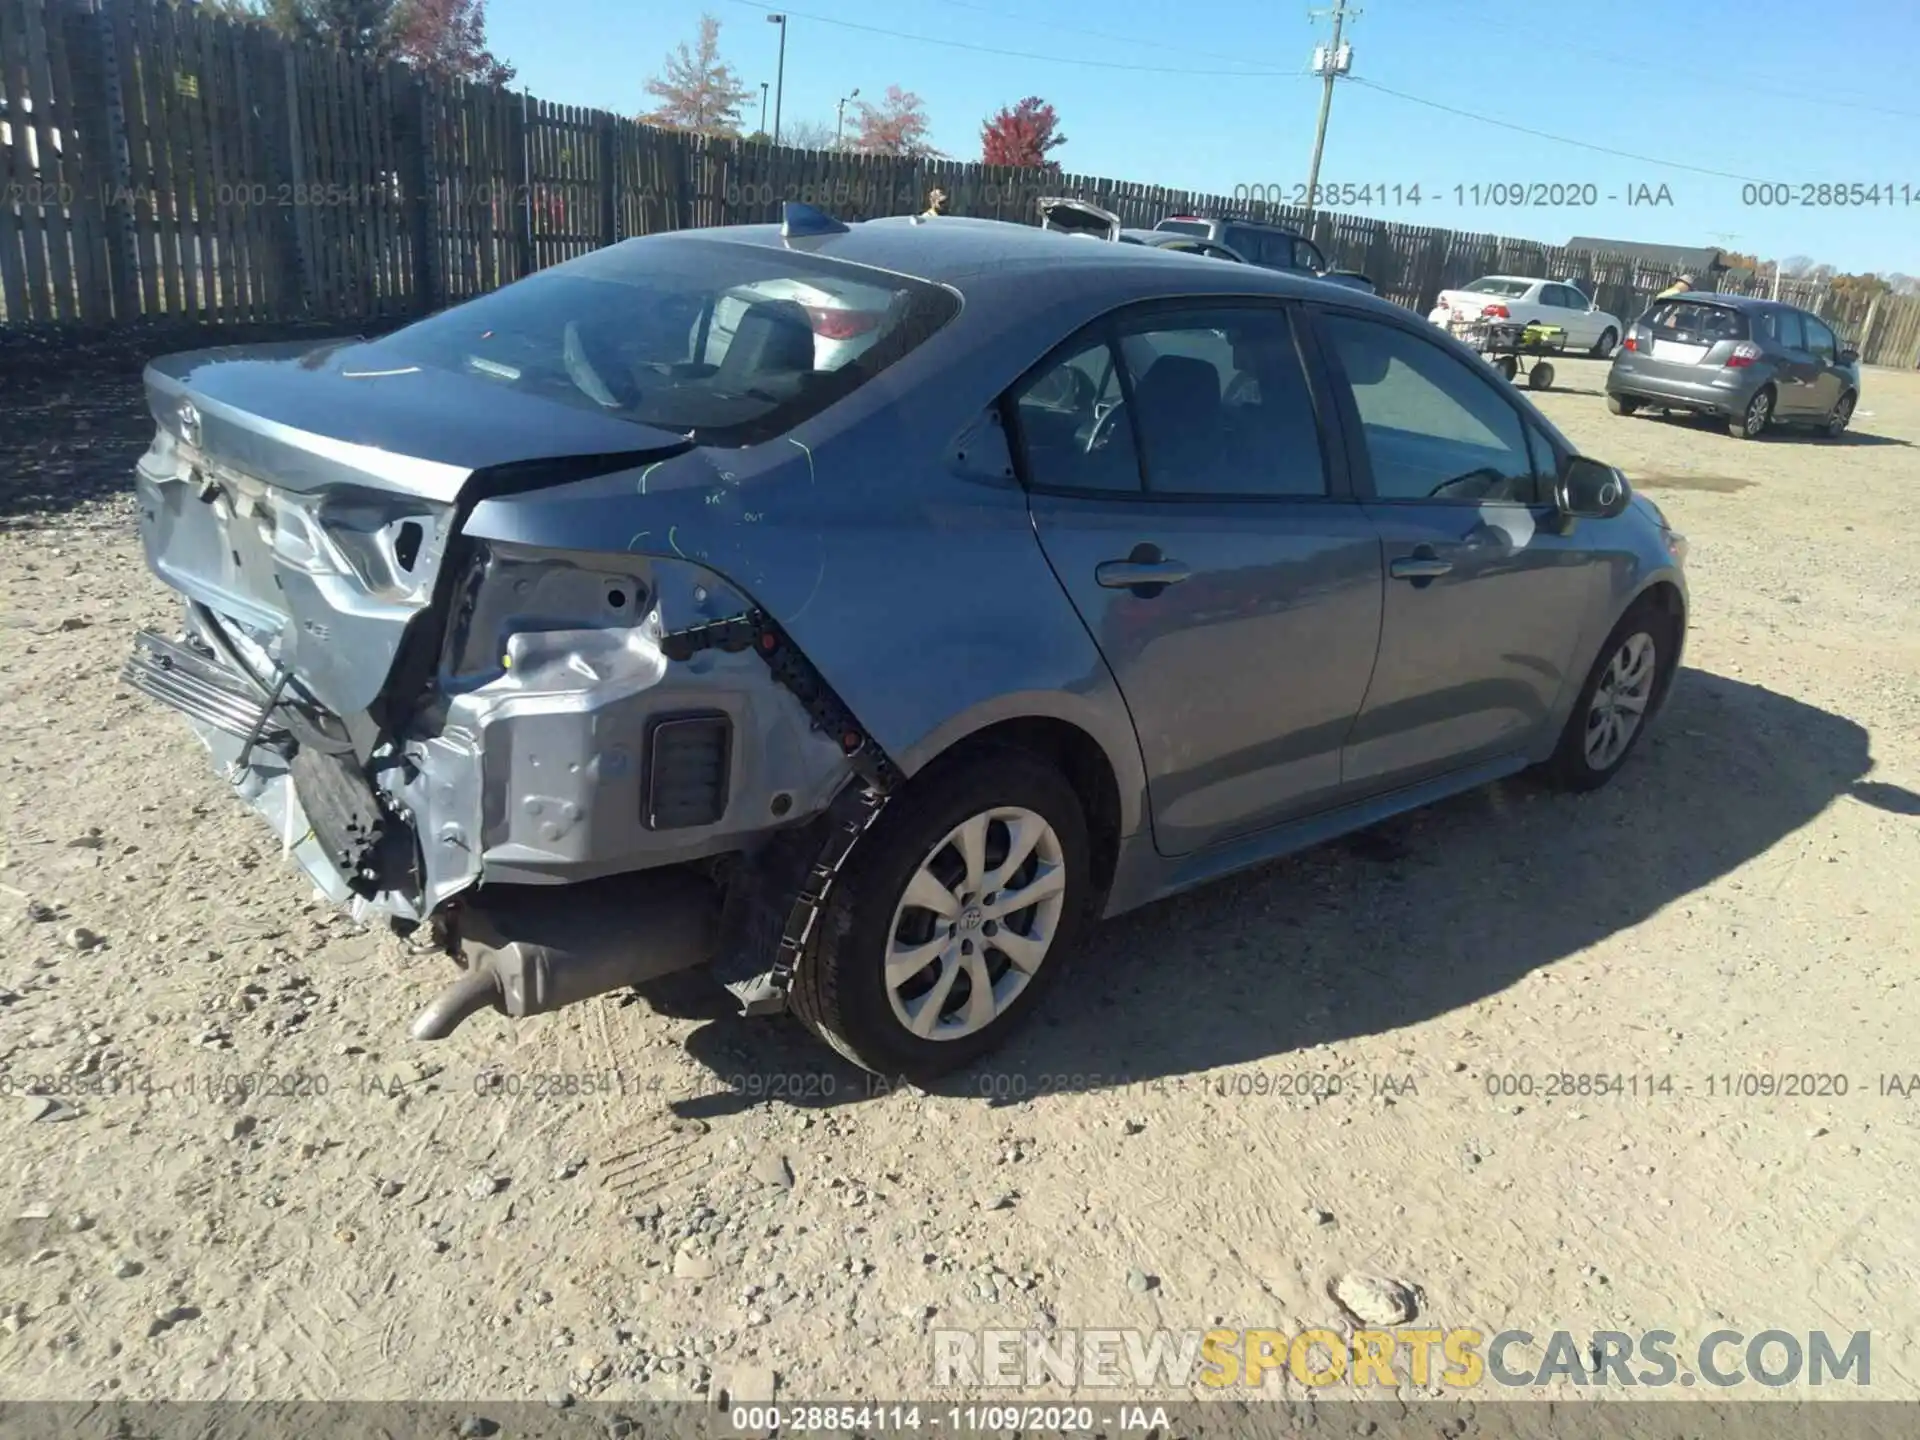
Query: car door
pixel 1794 365
pixel 1485 595
pixel 1825 380
pixel 1192 497
pixel 1577 317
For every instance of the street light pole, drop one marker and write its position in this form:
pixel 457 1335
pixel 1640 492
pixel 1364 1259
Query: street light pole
pixel 840 116
pixel 780 74
pixel 1330 63
pixel 763 107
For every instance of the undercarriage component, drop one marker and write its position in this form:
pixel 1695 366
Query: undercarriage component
pixel 530 949
pixel 198 687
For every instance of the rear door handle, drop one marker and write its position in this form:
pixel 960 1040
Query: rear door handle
pixel 1423 564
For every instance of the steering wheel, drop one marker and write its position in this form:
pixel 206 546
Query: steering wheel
pixel 1104 424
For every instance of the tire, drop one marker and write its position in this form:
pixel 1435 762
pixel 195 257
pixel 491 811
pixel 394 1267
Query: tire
pixel 1758 415
pixel 840 988
pixel 1622 404
pixel 1540 376
pixel 1507 366
pixel 1840 416
pixel 1609 338
pixel 1574 765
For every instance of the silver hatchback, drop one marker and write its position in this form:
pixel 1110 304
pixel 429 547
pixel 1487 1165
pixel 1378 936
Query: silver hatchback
pixel 1749 362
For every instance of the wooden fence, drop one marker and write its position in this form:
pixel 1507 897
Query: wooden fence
pixel 160 165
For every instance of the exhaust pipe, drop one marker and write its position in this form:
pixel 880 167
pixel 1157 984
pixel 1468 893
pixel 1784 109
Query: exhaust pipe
pixel 531 949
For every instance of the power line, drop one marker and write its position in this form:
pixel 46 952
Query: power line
pixel 1695 75
pixel 1557 139
pixel 1020 54
pixel 1090 34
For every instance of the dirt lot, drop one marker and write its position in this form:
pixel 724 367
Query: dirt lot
pixel 281 1196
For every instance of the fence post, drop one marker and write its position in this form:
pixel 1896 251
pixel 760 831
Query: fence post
pixel 296 173
pixel 520 183
pixel 609 181
pixel 1866 328
pixel 123 250
pixel 428 284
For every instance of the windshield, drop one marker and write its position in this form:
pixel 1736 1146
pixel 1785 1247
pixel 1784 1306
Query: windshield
pixel 1493 285
pixel 1184 227
pixel 731 343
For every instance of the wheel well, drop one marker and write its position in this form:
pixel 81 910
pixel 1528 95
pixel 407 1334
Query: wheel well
pixel 1077 756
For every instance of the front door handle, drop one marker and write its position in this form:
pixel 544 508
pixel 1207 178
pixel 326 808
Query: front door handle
pixel 1422 564
pixel 1146 572
pixel 1131 574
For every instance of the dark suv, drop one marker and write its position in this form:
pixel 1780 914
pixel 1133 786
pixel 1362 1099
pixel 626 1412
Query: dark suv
pixel 1749 362
pixel 1272 247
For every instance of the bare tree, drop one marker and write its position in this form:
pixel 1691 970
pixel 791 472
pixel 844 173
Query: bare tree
pixel 697 90
pixel 807 135
pixel 1795 266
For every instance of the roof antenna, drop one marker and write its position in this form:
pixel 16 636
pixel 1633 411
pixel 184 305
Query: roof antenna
pixel 797 220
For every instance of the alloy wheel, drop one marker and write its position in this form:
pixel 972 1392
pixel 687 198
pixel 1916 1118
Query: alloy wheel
pixel 1842 414
pixel 1759 411
pixel 977 920
pixel 1620 700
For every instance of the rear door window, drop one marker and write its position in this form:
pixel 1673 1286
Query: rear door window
pixel 1221 405
pixel 1073 435
pixel 1787 330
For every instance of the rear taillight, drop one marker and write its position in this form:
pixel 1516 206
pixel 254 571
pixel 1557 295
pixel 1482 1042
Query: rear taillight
pixel 1498 312
pixel 1744 354
pixel 1630 343
pixel 830 324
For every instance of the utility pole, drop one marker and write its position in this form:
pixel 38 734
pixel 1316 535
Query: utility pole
pixel 780 74
pixel 763 107
pixel 840 116
pixel 1329 62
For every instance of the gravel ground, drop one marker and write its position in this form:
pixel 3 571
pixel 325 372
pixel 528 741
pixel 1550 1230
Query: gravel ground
pixel 280 1196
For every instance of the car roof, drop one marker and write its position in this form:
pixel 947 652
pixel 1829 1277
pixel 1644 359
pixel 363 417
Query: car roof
pixel 951 249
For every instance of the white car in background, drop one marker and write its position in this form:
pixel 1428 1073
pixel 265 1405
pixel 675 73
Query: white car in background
pixel 845 317
pixel 1532 301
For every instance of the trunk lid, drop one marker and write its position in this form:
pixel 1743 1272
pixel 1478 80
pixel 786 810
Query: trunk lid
pixel 1078 217
pixel 306 493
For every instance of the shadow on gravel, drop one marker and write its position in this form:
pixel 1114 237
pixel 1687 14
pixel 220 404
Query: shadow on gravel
pixel 73 414
pixel 1401 923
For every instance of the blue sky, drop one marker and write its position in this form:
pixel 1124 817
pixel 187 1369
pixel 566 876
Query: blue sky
pixel 1215 96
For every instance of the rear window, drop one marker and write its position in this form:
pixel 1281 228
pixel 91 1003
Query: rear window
pixel 733 343
pixel 1698 321
pixel 1185 227
pixel 1511 289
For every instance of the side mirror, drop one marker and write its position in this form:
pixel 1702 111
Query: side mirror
pixel 1590 490
pixel 1849 357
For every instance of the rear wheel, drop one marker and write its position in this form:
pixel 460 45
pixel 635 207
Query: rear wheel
pixel 1608 339
pixel 1840 416
pixel 954 913
pixel 1622 404
pixel 1507 366
pixel 1540 376
pixel 1621 690
pixel 1753 422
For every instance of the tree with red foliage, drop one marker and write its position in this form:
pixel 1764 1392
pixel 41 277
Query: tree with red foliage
pixel 1022 135
pixel 898 125
pixel 448 38
pixel 697 90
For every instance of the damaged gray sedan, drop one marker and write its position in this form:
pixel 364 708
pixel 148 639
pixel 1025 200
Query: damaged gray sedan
pixel 862 611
